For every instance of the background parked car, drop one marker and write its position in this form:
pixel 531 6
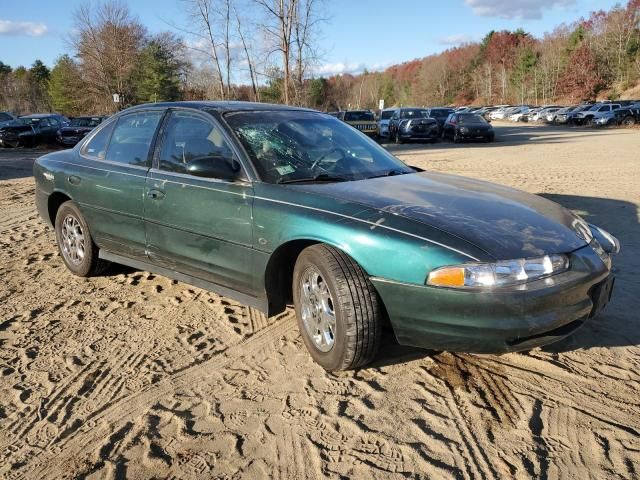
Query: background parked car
pixel 16 133
pixel 622 116
pixel 467 126
pixel 77 129
pixel 596 111
pixel 383 121
pixel 363 120
pixel 45 127
pixel 440 115
pixel 413 123
pixel 6 117
pixel 516 114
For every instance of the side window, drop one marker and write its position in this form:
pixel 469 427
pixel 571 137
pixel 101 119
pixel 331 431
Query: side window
pixel 605 108
pixel 194 145
pixel 97 146
pixel 132 137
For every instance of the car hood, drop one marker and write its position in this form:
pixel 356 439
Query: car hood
pixel 504 222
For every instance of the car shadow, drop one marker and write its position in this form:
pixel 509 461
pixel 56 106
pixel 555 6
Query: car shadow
pixel 617 325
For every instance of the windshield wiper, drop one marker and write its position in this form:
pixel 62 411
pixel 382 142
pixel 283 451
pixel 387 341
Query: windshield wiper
pixel 322 177
pixel 391 173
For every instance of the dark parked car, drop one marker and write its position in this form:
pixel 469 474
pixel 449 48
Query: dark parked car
pixel 440 115
pixel 16 133
pixel 413 123
pixel 467 126
pixel 6 117
pixel 77 129
pixel 276 205
pixel 45 127
pixel 363 120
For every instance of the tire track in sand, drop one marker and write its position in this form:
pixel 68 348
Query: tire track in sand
pixel 110 419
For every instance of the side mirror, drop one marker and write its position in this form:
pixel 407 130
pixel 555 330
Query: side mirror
pixel 214 167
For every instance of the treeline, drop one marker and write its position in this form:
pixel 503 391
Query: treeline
pixel 228 54
pixel 265 50
pixel 592 58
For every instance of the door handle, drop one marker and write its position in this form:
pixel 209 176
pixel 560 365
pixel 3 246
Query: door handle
pixel 155 194
pixel 74 179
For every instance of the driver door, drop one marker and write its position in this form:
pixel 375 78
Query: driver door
pixel 197 224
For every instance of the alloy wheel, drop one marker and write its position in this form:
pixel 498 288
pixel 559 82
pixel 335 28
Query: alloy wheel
pixel 317 309
pixel 73 240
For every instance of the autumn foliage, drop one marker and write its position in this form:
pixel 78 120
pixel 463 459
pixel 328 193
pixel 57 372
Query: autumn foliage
pixel 592 58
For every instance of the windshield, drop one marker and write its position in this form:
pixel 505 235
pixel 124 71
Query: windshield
pixel 471 119
pixel 295 146
pixel 30 120
pixel 441 113
pixel 85 122
pixel 414 113
pixel 386 115
pixel 358 117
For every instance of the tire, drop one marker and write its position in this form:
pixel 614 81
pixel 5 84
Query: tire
pixel 79 253
pixel 357 310
pixel 629 121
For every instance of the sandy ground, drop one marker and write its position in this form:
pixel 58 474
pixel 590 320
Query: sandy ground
pixel 134 375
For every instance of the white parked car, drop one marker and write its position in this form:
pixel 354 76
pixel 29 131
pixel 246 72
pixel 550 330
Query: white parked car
pixel 383 121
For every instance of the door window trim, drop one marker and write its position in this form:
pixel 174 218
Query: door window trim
pixel 162 135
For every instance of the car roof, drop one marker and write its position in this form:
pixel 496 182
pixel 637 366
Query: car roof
pixel 41 115
pixel 221 106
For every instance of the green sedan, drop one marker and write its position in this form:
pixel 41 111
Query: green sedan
pixel 275 206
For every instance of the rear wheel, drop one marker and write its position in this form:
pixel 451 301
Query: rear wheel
pixel 338 310
pixel 75 244
pixel 628 121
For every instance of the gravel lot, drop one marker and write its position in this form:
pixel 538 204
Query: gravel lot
pixel 131 374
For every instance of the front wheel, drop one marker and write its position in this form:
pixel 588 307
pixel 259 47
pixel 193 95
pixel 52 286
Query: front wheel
pixel 76 246
pixel 339 312
pixel 629 121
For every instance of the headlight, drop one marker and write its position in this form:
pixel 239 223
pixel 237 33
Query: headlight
pixel 464 130
pixel 499 274
pixel 608 242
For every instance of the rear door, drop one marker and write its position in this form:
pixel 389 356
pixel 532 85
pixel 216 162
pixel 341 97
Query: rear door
pixel 109 181
pixel 199 225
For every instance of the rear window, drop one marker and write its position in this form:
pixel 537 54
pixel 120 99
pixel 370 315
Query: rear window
pixel 358 117
pixel 85 122
pixel 440 112
pixel 414 113
pixel 470 119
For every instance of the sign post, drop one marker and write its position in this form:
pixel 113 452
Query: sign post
pixel 381 104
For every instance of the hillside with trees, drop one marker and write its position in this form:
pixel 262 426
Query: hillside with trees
pixel 596 57
pixel 271 55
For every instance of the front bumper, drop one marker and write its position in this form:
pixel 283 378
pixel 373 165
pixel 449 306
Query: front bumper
pixel 498 321
pixel 68 141
pixel 432 134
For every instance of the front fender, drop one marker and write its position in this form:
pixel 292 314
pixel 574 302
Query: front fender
pixel 380 249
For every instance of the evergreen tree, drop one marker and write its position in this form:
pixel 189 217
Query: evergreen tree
pixel 158 76
pixel 65 87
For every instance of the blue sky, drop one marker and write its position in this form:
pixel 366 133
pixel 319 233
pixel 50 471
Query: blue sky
pixel 359 33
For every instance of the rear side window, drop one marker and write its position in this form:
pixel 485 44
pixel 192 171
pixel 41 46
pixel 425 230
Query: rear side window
pixel 97 146
pixel 4 117
pixel 132 137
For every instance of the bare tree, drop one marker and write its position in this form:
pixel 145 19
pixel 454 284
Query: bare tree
pixel 107 44
pixel 278 26
pixel 250 59
pixel 203 15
